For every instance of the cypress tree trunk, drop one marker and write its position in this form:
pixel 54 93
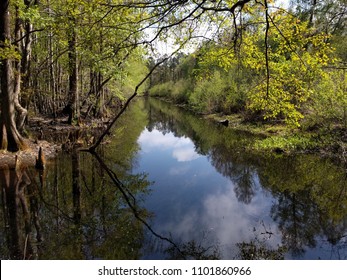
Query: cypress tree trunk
pixel 21 112
pixel 10 138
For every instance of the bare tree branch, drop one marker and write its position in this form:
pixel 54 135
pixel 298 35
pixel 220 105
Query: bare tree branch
pixel 132 206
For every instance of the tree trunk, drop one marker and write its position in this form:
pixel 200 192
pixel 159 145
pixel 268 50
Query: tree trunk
pixel 312 13
pixel 72 106
pixel 26 74
pixel 76 187
pixel 22 112
pixel 10 138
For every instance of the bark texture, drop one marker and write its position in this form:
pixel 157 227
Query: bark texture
pixel 10 138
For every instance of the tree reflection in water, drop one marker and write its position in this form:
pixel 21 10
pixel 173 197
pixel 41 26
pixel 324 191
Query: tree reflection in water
pixel 20 213
pixel 91 207
pixel 311 201
pixel 78 227
pixel 309 193
pixel 78 219
pixel 257 248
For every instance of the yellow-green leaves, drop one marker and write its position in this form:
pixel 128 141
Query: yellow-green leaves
pixel 296 57
pixel 8 51
pixel 275 82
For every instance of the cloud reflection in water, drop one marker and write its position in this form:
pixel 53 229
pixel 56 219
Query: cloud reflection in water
pixel 192 201
pixel 182 147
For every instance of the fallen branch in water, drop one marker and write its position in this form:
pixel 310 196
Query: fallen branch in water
pixel 111 123
pixel 92 148
pixel 121 188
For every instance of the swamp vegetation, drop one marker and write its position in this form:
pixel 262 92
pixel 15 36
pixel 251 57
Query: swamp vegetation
pixel 259 150
pixel 177 187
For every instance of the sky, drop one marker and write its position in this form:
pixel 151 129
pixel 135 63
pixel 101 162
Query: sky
pixel 167 48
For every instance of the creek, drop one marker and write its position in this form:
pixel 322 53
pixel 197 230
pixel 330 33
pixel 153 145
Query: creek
pixel 172 185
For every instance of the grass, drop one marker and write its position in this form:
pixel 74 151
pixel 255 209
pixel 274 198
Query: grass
pixel 280 138
pixel 286 143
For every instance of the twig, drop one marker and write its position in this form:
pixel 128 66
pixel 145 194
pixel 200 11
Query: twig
pixel 25 246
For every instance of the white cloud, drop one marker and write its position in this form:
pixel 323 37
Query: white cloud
pixel 183 149
pixel 179 170
pixel 222 220
pixel 155 139
pixel 185 154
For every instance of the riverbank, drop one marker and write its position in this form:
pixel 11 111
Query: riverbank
pixel 279 138
pixel 28 156
pixel 52 136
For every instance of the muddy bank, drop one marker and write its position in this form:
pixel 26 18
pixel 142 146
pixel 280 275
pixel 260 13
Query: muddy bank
pixel 28 156
pixel 53 136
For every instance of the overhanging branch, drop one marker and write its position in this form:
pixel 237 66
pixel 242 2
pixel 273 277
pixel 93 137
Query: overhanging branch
pixel 111 123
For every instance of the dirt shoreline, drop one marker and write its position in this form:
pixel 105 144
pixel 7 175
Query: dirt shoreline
pixel 53 136
pixel 28 156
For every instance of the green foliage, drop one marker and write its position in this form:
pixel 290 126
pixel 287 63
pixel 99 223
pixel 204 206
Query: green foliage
pixel 290 79
pixel 338 42
pixel 28 12
pixel 110 63
pixel 134 72
pixel 329 100
pixel 287 143
pixel 295 85
pixel 8 51
pixel 161 90
pixel 296 56
pixel 209 94
pixel 177 91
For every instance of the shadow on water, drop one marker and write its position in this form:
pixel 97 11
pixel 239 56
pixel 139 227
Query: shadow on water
pixel 20 213
pixel 23 198
pixel 77 212
pixel 117 205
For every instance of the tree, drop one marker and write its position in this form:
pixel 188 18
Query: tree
pixel 90 44
pixel 73 104
pixel 264 61
pixel 10 137
pixel 84 47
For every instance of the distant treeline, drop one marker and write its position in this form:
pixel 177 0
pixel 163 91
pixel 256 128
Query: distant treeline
pixel 293 71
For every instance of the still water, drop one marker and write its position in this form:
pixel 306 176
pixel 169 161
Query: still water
pixel 171 185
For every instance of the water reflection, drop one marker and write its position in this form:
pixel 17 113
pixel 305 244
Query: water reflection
pixel 77 214
pixel 172 185
pixel 311 205
pixel 298 202
pixel 20 212
pixel 182 148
